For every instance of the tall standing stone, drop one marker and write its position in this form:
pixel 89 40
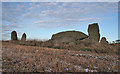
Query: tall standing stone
pixel 93 31
pixel 14 35
pixel 23 37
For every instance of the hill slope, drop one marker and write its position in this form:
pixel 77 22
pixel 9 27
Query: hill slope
pixel 20 58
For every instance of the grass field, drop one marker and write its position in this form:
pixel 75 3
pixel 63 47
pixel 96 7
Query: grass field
pixel 19 58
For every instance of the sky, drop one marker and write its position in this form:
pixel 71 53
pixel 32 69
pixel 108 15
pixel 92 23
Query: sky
pixel 40 20
pixel 59 0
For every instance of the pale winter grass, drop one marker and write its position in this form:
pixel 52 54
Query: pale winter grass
pixel 21 58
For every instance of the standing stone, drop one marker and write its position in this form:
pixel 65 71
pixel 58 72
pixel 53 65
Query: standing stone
pixel 93 31
pixel 23 37
pixel 14 35
pixel 103 40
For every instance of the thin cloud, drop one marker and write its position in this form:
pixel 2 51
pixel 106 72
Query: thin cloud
pixel 50 21
pixel 43 22
pixel 66 10
pixel 13 13
pixel 67 20
pixel 6 30
pixel 87 19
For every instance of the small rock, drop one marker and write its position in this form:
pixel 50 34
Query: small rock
pixel 103 40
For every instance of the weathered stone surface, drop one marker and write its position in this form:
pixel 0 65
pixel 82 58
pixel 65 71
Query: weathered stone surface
pixel 103 40
pixel 68 36
pixel 23 37
pixel 93 31
pixel 14 35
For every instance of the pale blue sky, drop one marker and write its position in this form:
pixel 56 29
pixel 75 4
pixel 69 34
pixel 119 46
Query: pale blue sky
pixel 42 19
